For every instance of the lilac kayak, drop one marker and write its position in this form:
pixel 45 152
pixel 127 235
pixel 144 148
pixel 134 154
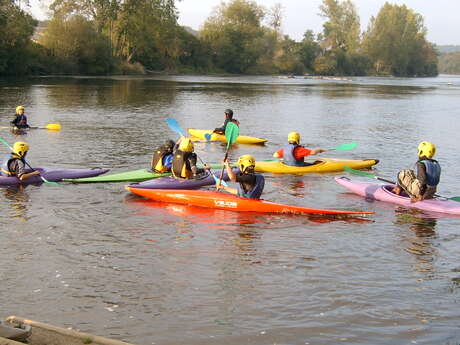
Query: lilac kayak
pixel 382 192
pixel 170 182
pixel 52 175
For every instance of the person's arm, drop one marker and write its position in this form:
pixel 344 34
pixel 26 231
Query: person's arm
pixel 279 153
pixel 25 176
pixel 230 172
pixel 318 150
pixel 227 189
pixel 221 130
pixel 421 173
pixel 20 171
pixel 192 162
pixel 14 122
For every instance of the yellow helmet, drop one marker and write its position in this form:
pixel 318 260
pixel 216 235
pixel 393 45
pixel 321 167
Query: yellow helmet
pixel 294 137
pixel 19 108
pixel 20 148
pixel 186 145
pixel 246 161
pixel 427 149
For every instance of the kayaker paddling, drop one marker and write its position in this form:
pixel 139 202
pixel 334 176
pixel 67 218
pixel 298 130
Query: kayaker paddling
pixel 251 184
pixel 20 120
pixel 162 157
pixel 293 153
pixel 184 161
pixel 228 118
pixel 423 185
pixel 14 164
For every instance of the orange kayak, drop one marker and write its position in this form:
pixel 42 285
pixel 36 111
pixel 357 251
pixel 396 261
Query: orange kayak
pixel 225 201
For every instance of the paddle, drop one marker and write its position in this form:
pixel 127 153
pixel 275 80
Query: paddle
pixel 50 126
pixel 172 123
pixel 43 179
pixel 231 134
pixel 344 147
pixel 366 174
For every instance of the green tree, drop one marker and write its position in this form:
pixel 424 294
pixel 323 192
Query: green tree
pixel 76 46
pixel 342 27
pixel 235 35
pixel 341 37
pixel 309 50
pixel 395 43
pixel 16 29
pixel 450 63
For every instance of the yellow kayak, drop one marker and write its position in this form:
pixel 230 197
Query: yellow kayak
pixel 242 139
pixel 317 165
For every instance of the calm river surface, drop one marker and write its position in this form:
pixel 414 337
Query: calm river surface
pixel 97 259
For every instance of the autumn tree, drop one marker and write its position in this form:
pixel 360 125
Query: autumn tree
pixel 235 35
pixel 16 29
pixel 396 44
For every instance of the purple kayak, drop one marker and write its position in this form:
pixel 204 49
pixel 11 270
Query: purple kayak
pixel 170 182
pixel 382 192
pixel 52 175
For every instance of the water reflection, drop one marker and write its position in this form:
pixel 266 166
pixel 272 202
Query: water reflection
pixel 16 198
pixel 420 246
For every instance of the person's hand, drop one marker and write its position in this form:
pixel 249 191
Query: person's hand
pixel 207 167
pixel 35 172
pixel 415 199
pixel 219 186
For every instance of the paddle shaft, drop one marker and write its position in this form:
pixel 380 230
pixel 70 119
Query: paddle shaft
pixel 223 166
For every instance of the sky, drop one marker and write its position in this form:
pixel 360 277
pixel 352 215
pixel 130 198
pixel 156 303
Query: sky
pixel 441 16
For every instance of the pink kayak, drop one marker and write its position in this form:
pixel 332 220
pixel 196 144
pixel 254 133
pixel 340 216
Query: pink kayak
pixel 382 192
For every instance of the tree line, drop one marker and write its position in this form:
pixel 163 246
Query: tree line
pixel 134 36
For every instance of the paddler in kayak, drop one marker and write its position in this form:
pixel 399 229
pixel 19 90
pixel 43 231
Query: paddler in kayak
pixel 228 118
pixel 20 120
pixel 14 163
pixel 423 186
pixel 184 161
pixel 251 184
pixel 293 153
pixel 162 157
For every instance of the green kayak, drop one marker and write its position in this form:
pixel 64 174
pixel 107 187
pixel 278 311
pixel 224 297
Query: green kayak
pixel 133 175
pixel 139 175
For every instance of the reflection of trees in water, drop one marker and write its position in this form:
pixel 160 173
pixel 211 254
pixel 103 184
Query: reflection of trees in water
pixel 17 199
pixel 421 245
pixel 81 92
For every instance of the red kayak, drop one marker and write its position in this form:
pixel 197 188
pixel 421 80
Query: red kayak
pixel 225 201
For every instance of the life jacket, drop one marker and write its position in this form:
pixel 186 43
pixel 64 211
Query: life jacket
pixel 20 121
pixel 5 168
pixel 161 160
pixel 433 172
pixel 180 165
pixel 288 156
pixel 256 191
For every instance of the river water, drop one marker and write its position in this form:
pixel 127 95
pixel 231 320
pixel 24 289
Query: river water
pixel 97 259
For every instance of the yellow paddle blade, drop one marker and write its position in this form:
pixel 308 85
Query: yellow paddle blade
pixel 53 126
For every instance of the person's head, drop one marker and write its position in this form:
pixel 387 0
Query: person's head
pixel 426 149
pixel 186 145
pixel 169 145
pixel 19 110
pixel 228 114
pixel 20 149
pixel 246 163
pixel 294 138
